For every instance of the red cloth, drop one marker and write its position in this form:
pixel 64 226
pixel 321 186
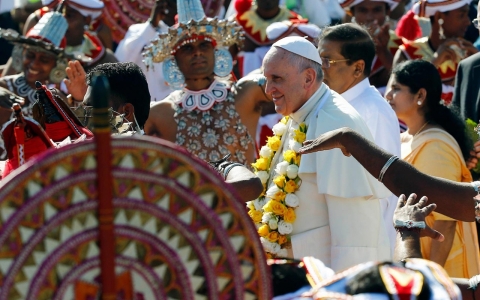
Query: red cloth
pixel 408 27
pixel 32 147
pixel 58 131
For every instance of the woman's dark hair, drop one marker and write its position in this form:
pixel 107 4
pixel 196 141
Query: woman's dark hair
pixel 417 74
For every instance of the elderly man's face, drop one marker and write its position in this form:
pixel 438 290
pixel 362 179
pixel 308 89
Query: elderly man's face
pixel 340 75
pixel 196 60
pixel 285 83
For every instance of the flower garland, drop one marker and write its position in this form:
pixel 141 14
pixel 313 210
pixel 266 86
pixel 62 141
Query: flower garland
pixel 274 211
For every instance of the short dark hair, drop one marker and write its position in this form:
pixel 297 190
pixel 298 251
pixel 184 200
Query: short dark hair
pixel 127 85
pixel 357 44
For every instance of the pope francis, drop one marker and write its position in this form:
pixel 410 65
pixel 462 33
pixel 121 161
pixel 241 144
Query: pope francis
pixel 330 207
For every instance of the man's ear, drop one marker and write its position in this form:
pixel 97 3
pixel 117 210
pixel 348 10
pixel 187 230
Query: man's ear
pixel 88 20
pixel 359 68
pixel 129 112
pixel 310 77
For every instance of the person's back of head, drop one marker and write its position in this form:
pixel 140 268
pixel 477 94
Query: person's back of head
pixel 356 42
pixel 127 85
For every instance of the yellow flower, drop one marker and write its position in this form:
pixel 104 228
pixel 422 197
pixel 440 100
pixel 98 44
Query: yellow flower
pixel 255 215
pixel 290 186
pixel 289 215
pixel 290 156
pixel 282 239
pixel 299 136
pixel 284 120
pixel 277 208
pixel 279 181
pixel 261 164
pixel 279 196
pixel 250 205
pixel 263 231
pixel 273 236
pixel 274 143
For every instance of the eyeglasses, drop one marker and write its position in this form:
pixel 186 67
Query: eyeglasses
pixel 475 23
pixel 326 63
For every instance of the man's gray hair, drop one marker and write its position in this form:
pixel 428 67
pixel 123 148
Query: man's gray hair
pixel 302 63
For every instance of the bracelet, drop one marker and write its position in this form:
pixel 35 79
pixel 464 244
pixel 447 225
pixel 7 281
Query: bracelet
pixel 390 161
pixel 473 282
pixel 476 186
pixel 409 225
pixel 229 168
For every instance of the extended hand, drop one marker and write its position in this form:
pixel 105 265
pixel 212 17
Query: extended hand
pixel 326 141
pixel 416 211
pixel 76 85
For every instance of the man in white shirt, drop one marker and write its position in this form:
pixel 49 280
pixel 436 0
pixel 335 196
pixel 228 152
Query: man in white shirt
pixel 137 37
pixel 337 215
pixel 348 51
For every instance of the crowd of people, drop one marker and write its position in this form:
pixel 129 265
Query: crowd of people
pixel 319 113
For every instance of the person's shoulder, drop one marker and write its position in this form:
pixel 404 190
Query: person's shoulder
pixel 471 61
pixel 166 104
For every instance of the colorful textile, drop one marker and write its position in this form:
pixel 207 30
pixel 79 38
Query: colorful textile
pixel 420 49
pixel 180 232
pixel 256 28
pixel 214 131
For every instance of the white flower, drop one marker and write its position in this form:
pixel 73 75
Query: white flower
pixel 266 217
pixel 266 152
pixel 281 168
pixel 259 204
pixel 275 248
pixel 272 223
pixel 272 191
pixel 282 253
pixel 292 171
pixel 263 175
pixel 284 227
pixel 292 200
pixel 279 129
pixel 294 145
pixel 267 245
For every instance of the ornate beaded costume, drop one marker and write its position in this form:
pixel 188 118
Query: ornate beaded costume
pixel 219 131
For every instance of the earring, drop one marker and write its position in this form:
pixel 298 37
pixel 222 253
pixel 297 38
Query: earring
pixel 223 62
pixel 419 102
pixel 58 73
pixel 86 28
pixel 173 75
pixel 440 30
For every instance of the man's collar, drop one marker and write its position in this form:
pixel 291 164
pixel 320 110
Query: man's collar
pixel 301 114
pixel 356 90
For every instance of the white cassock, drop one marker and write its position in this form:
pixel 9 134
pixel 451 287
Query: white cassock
pixel 339 220
pixel 383 124
pixel 130 50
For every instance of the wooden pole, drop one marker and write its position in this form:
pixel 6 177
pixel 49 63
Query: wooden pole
pixel 100 98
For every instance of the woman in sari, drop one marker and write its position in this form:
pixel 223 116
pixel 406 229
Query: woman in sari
pixel 437 144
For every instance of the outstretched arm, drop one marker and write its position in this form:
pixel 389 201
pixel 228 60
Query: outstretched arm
pixel 453 199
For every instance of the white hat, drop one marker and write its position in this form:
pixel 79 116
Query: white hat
pixel 88 8
pixel 300 46
pixel 428 8
pixel 347 4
